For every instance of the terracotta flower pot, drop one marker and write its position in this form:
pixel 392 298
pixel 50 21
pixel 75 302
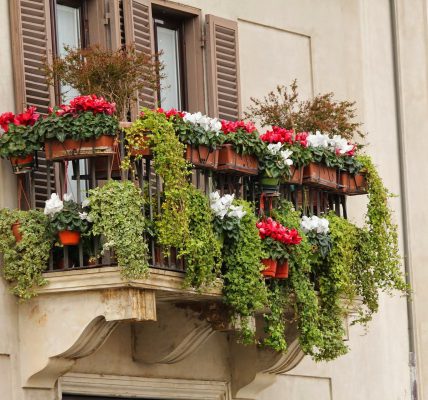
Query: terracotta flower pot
pixel 270 269
pixel 21 165
pixel 75 149
pixel 142 148
pixel 282 270
pixel 296 175
pixel 229 161
pixel 319 175
pixel 202 156
pixel 269 185
pixel 16 230
pixel 69 238
pixel 352 184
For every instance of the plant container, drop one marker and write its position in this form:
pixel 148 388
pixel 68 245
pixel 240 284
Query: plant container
pixel 69 238
pixel 352 184
pixel 21 165
pixel 75 149
pixel 229 161
pixel 269 185
pixel 270 267
pixel 296 176
pixel 319 175
pixel 202 156
pixel 141 148
pixel 282 270
pixel 16 231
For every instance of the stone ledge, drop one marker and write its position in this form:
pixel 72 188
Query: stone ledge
pixel 168 284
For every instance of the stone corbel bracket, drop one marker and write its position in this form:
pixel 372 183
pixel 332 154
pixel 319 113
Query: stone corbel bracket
pixel 57 329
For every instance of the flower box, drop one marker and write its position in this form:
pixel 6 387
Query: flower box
pixel 352 184
pixel 75 149
pixel 229 161
pixel 296 176
pixel 269 185
pixel 142 148
pixel 21 165
pixel 202 156
pixel 69 238
pixel 282 270
pixel 320 175
pixel 270 270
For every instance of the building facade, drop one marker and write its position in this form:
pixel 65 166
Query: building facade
pixel 88 333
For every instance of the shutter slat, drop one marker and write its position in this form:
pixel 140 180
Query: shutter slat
pixel 223 68
pixel 32 47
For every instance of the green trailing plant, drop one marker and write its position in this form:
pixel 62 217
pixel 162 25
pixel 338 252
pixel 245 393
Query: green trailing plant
pixel 202 250
pixel 24 261
pixel 378 259
pixel 244 288
pixel 282 107
pixel 172 222
pixel 300 287
pixel 116 213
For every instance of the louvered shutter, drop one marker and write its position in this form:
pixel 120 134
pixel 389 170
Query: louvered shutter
pixel 223 68
pixel 32 44
pixel 137 16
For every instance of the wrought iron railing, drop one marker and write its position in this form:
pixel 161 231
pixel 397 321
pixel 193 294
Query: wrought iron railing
pixel 80 175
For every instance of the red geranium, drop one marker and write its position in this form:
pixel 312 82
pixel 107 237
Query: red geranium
pixel 233 126
pixel 273 229
pixel 278 135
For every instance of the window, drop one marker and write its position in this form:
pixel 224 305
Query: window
pixel 168 33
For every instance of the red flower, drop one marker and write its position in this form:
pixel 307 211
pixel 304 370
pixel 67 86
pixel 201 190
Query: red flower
pixel 28 117
pixel 98 105
pixel 278 135
pixel 5 119
pixel 302 138
pixel 171 113
pixel 273 229
pixel 233 126
pixel 351 153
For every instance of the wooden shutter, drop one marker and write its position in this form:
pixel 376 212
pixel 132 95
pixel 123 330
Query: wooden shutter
pixel 137 16
pixel 32 44
pixel 223 68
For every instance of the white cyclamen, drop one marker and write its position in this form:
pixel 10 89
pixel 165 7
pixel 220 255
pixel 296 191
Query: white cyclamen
pixel 222 206
pixel 207 123
pixel 314 223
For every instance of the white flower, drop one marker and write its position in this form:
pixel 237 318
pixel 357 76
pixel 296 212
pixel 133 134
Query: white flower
pixel 84 216
pixel 205 122
pixel 67 197
pixel 236 211
pixel 274 148
pixel 318 140
pixel 222 206
pixel 85 203
pixel 340 145
pixel 53 205
pixel 314 223
pixel 285 154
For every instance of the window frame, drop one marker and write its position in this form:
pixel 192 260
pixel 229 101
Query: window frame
pixel 193 61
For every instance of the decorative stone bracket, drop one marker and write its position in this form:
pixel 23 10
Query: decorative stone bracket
pixel 56 330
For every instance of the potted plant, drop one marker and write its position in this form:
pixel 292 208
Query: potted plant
pixel 276 238
pixel 298 145
pixel 352 176
pixel 274 166
pixel 85 128
pixel 27 258
pixel 240 149
pixel 18 141
pixel 67 219
pixel 202 136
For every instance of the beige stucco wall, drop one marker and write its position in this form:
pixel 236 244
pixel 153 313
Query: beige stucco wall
pixel 8 308
pixel 333 45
